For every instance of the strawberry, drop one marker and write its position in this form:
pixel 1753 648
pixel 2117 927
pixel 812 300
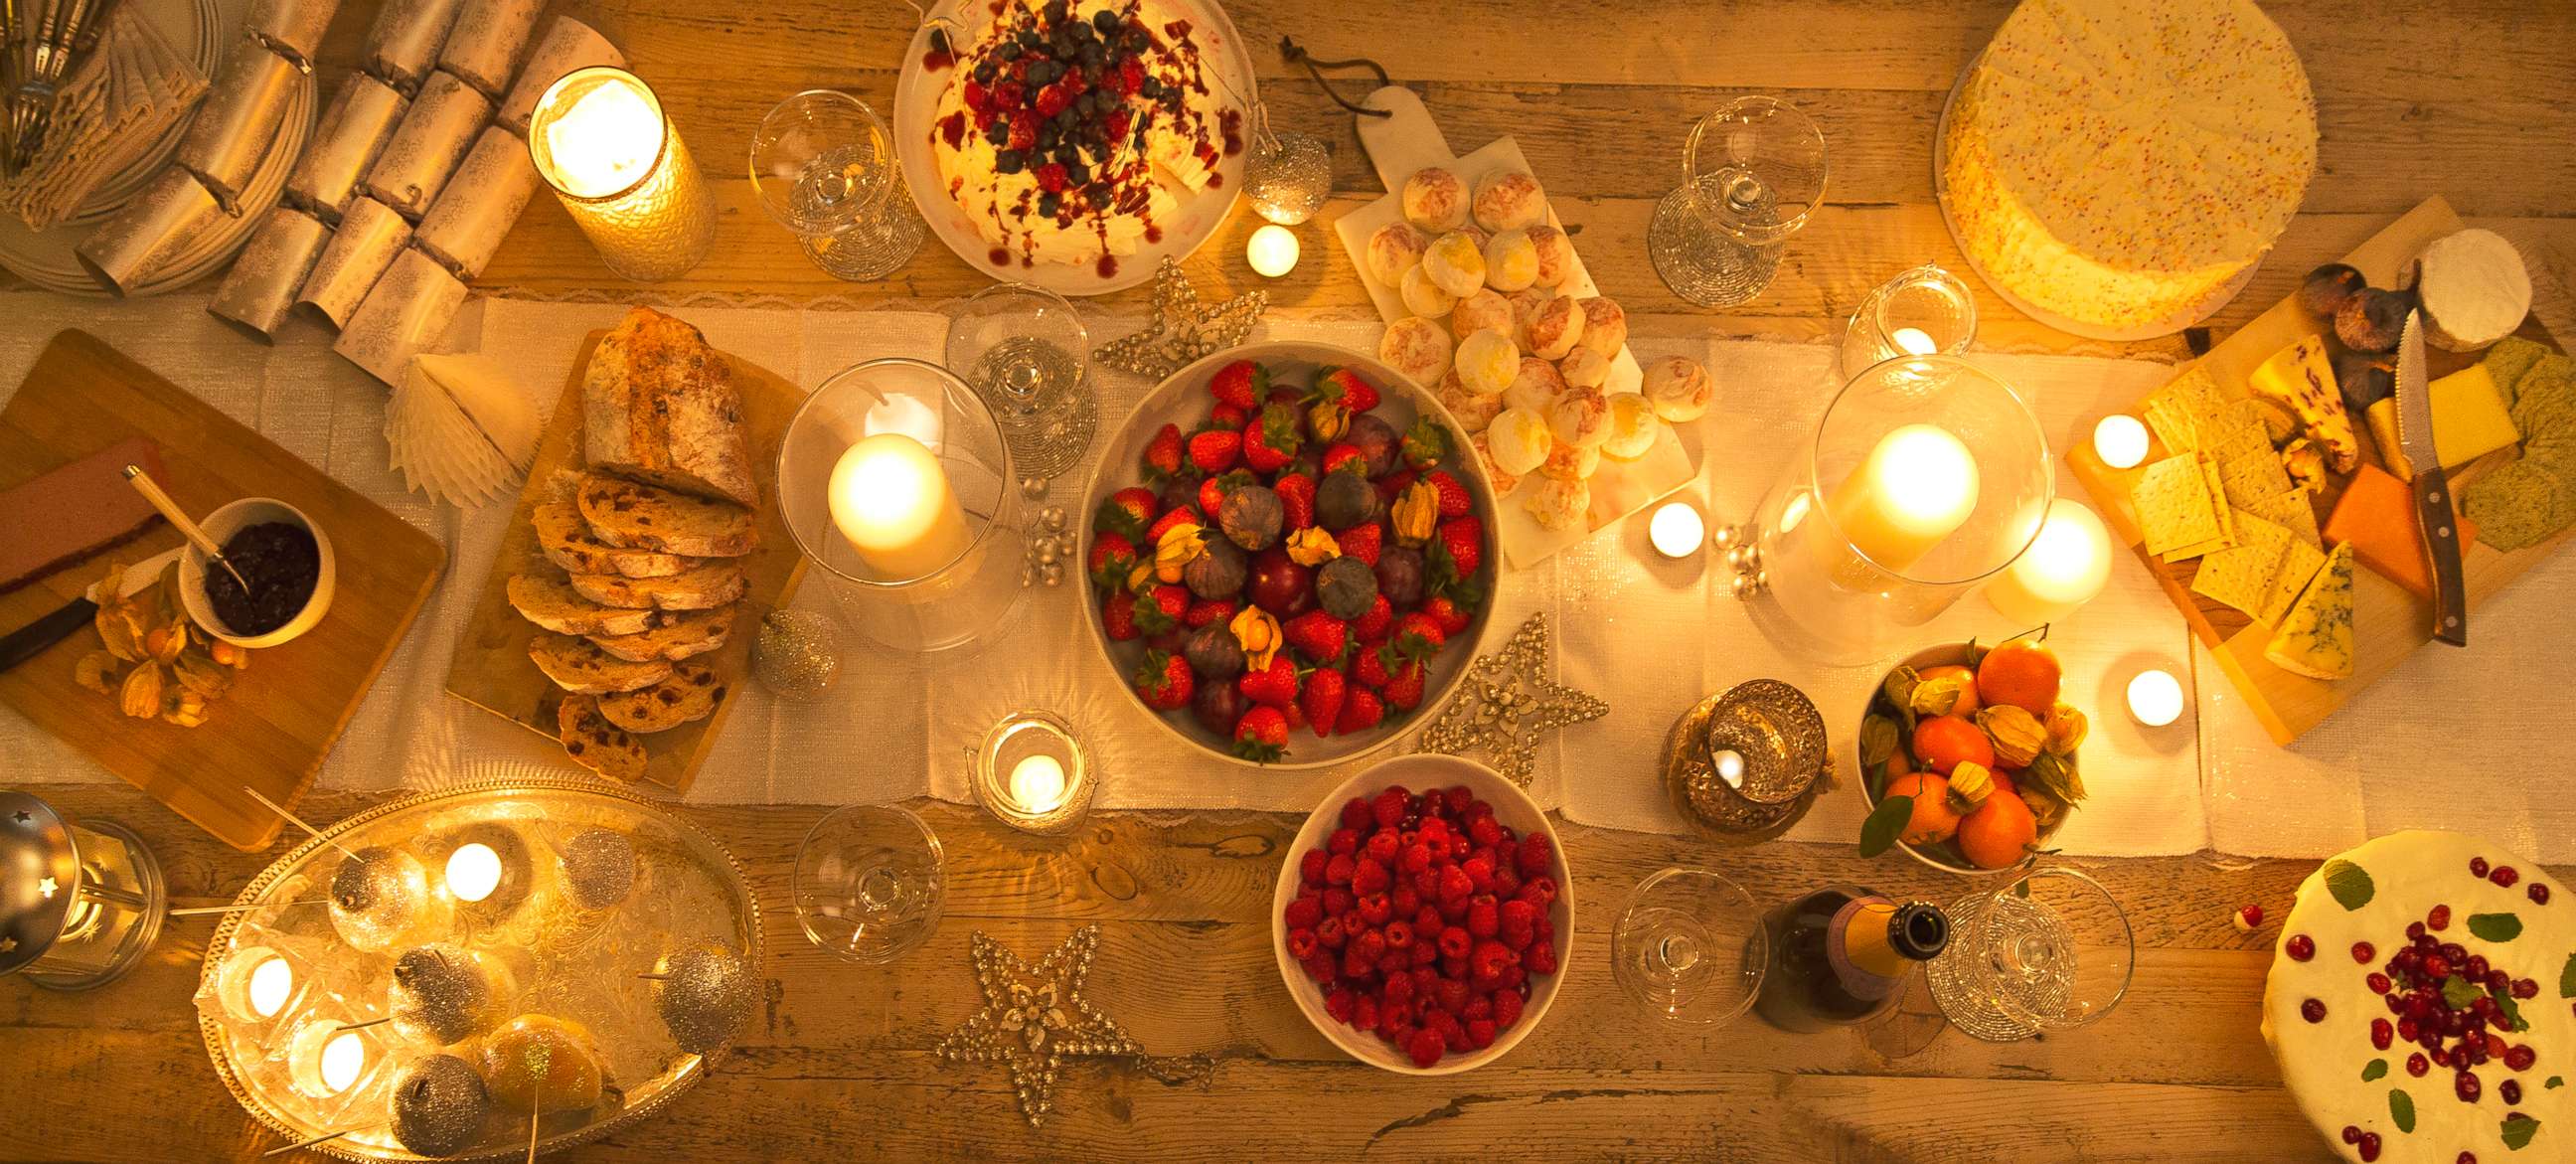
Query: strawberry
pixel 1425 444
pixel 1229 416
pixel 1214 451
pixel 1363 542
pixel 1176 515
pixel 1241 384
pixel 1454 501
pixel 1463 540
pixel 1341 453
pixel 1163 453
pixel 1213 610
pixel 1394 484
pixel 1345 387
pixel 1162 609
pixel 1271 440
pixel 1164 681
pixel 1373 624
pixel 1118 616
pixel 1361 710
pixel 1261 735
pixel 1326 691
pixel 1296 499
pixel 1127 512
pixel 1372 667
pixel 1403 689
pixel 1113 557
pixel 1213 490
pixel 1319 636
pixel 1275 685
pixel 1447 615
pixel 1417 637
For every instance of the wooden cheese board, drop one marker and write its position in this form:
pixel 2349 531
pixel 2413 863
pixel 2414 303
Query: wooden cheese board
pixel 271 731
pixel 491 668
pixel 1408 140
pixel 2389 621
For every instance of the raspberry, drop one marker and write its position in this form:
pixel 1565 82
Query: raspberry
pixel 1338 1004
pixel 1338 901
pixel 1540 958
pixel 1382 848
pixel 1424 954
pixel 1398 990
pixel 1343 842
pixel 1507 1009
pixel 1354 966
pixel 1331 933
pixel 1480 874
pixel 1408 902
pixel 1311 866
pixel 1454 885
pixel 1338 870
pixel 1374 909
pixel 1399 935
pixel 1462 799
pixel 1369 946
pixel 1388 808
pixel 1319 968
pixel 1364 1013
pixel 1480 1034
pixel 1455 942
pixel 1452 995
pixel 1484 831
pixel 1427 920
pixel 1479 1006
pixel 1489 960
pixel 1483 919
pixel 1519 923
pixel 1434 831
pixel 1535 856
pixel 1367 876
pixel 1425 1047
pixel 1539 891
pixel 1417 857
pixel 1458 846
pixel 1355 814
pixel 1301 944
pixel 1506 882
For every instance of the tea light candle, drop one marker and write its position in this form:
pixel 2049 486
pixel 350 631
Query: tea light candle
pixel 1914 341
pixel 1037 783
pixel 891 500
pixel 270 983
pixel 473 871
pixel 1032 774
pixel 2064 568
pixel 343 1057
pixel 1917 487
pixel 2155 698
pixel 1677 530
pixel 2120 441
pixel 323 1060
pixel 599 137
pixel 1272 251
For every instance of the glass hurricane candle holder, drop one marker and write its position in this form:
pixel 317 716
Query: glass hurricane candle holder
pixel 1926 476
pixel 824 167
pixel 895 478
pixel 80 901
pixel 1032 774
pixel 1925 311
pixel 599 137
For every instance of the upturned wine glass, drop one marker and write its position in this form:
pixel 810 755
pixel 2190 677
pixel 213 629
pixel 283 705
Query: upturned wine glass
pixel 869 883
pixel 824 167
pixel 1691 946
pixel 1024 349
pixel 1752 172
pixel 2048 952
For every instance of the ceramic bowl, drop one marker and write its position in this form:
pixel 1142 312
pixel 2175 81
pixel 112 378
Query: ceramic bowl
pixel 221 525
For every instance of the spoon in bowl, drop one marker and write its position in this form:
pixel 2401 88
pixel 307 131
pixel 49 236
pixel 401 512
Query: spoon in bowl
pixel 187 526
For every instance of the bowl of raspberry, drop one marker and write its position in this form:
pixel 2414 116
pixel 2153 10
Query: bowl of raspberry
pixel 1289 558
pixel 1423 916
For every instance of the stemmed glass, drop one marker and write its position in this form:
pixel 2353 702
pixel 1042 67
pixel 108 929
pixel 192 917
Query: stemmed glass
pixel 2048 952
pixel 1025 351
pixel 869 885
pixel 1751 174
pixel 1691 946
pixel 824 167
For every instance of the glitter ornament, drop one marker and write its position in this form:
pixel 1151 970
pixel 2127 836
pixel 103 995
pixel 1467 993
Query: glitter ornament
pixel 796 655
pixel 599 868
pixel 440 1106
pixel 381 896
pixel 1182 331
pixel 445 994
pixel 1288 175
pixel 704 996
pixel 1507 704
pixel 1034 1017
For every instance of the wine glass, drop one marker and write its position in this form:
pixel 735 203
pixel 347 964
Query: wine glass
pixel 868 883
pixel 2048 952
pixel 1026 352
pixel 1751 174
pixel 824 167
pixel 1691 946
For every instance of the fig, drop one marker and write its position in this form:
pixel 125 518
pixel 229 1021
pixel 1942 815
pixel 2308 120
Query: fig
pixel 1218 706
pixel 1213 653
pixel 1399 576
pixel 2365 379
pixel 1345 499
pixel 2372 320
pixel 2327 287
pixel 1346 587
pixel 1279 585
pixel 1217 572
pixel 1377 442
pixel 1251 516
pixel 1177 492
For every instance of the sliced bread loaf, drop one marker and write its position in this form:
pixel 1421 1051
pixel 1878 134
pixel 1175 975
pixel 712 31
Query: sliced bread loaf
pixel 691 693
pixel 680 635
pixel 568 543
pixel 643 517
pixel 705 587
pixel 548 602
pixel 595 743
pixel 660 406
pixel 578 666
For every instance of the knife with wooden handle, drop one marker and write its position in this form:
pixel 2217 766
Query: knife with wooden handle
pixel 2432 489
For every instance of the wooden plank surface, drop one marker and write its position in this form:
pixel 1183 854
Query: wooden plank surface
pixel 272 730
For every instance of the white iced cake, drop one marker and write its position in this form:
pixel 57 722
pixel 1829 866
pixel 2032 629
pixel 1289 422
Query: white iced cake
pixel 2422 1003
pixel 2119 162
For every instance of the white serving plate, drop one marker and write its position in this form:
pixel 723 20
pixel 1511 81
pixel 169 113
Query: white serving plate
pixel 916 105
pixel 1408 141
pixel 1512 807
pixel 1183 400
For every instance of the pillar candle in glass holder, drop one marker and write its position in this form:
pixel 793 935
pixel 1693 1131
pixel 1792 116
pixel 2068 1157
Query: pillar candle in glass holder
pixel 2063 569
pixel 599 137
pixel 1917 486
pixel 891 499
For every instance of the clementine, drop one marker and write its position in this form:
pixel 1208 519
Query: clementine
pixel 1968 704
pixel 1999 834
pixel 1942 741
pixel 2023 674
pixel 1933 821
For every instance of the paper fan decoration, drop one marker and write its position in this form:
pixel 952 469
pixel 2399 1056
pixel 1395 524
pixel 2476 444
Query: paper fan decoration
pixel 460 429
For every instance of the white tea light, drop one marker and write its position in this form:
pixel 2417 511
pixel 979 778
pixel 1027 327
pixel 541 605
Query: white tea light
pixel 1677 530
pixel 1914 341
pixel 473 872
pixel 270 983
pixel 1272 251
pixel 342 1059
pixel 1037 783
pixel 2155 698
pixel 1032 774
pixel 2120 441
pixel 2064 568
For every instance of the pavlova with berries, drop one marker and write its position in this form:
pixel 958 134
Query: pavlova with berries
pixel 1290 554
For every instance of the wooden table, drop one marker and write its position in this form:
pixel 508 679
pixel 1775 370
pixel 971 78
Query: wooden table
pixel 2465 98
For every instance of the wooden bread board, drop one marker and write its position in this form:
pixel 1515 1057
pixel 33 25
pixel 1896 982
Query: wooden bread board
pixel 1409 140
pixel 2389 621
pixel 491 668
pixel 278 722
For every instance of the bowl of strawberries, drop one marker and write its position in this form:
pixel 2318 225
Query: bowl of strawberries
pixel 1423 915
pixel 1289 554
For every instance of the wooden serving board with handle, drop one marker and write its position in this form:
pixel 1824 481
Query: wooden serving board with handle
pixel 2389 621
pixel 271 731
pixel 491 668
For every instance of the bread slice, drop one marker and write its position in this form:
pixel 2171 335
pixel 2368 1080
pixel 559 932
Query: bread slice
pixel 660 406
pixel 642 517
pixel 691 693
pixel 680 635
pixel 577 666
pixel 548 602
pixel 568 543
pixel 705 587
pixel 597 744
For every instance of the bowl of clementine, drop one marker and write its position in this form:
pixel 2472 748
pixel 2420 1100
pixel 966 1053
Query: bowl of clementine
pixel 1968 756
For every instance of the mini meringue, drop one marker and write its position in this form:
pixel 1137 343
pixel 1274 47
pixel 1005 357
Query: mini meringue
pixel 1511 263
pixel 1633 426
pixel 1482 311
pixel 1679 388
pixel 1580 417
pixel 1423 297
pixel 1435 200
pixel 1519 440
pixel 1559 503
pixel 1584 368
pixel 1494 475
pixel 1509 200
pixel 1570 462
pixel 1555 255
pixel 1474 412
pixel 1605 325
pixel 1456 264
pixel 1536 387
pixel 1416 347
pixel 1487 362
pixel 1552 329
pixel 1394 249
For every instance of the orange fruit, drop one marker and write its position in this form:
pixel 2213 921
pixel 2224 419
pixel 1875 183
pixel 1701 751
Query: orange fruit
pixel 2023 674
pixel 1999 834
pixel 1968 704
pixel 1942 741
pixel 1932 822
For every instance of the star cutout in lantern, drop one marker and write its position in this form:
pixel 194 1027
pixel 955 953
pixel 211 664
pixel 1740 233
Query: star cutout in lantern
pixel 1034 1017
pixel 1506 702
pixel 1182 331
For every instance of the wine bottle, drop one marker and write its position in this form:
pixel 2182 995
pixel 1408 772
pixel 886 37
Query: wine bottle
pixel 1842 954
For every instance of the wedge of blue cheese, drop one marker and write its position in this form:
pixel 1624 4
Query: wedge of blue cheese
pixel 2315 638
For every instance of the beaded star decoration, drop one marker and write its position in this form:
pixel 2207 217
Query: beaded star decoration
pixel 1506 703
pixel 1182 331
pixel 1033 1017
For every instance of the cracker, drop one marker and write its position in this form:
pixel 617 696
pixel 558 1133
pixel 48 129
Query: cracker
pixel 2182 407
pixel 2218 500
pixel 2519 505
pixel 2544 399
pixel 2241 576
pixel 2173 505
pixel 2508 360
pixel 2299 562
pixel 2289 509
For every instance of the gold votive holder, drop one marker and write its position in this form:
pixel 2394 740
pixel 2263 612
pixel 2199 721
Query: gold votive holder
pixel 1033 774
pixel 599 137
pixel 1745 764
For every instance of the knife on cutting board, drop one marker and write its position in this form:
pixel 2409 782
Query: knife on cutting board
pixel 30 640
pixel 2432 488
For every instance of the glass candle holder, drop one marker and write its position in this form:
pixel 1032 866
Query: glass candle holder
pixel 1926 476
pixel 824 167
pixel 600 139
pixel 2066 566
pixel 1925 311
pixel 1033 774
pixel 896 479
pixel 80 901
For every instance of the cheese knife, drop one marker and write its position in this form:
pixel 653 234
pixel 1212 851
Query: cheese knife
pixel 2432 489
pixel 30 640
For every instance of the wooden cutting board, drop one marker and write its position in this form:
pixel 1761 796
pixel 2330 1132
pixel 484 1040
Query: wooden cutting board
pixel 2389 621
pixel 491 669
pixel 272 730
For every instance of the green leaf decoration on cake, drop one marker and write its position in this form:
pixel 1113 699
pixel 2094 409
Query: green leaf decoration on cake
pixel 2373 1071
pixel 1879 832
pixel 2518 1130
pixel 2460 993
pixel 2511 1010
pixel 2401 1108
pixel 2554 1083
pixel 2495 927
pixel 2349 883
pixel 2567 979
